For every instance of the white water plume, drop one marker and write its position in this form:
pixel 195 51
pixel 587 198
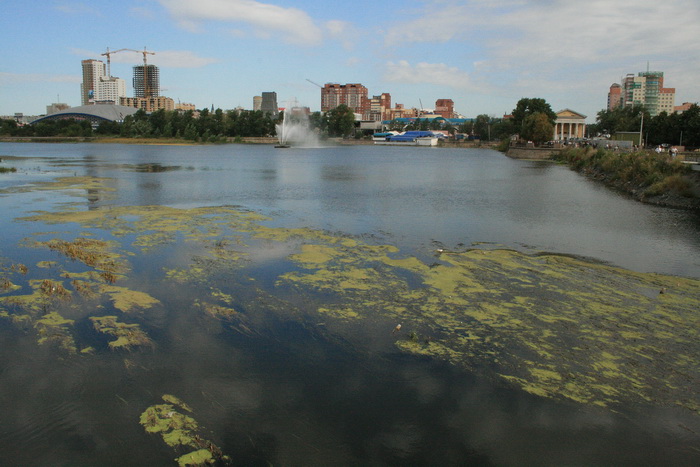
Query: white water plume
pixel 295 129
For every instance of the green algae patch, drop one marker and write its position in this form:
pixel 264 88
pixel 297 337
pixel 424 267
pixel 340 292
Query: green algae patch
pixel 127 335
pixel 94 253
pixel 340 313
pixel 177 401
pixel 54 329
pixel 201 457
pixel 181 432
pixel 555 326
pixel 151 226
pixel 82 186
pixel 217 311
pixel 128 300
pixel 6 286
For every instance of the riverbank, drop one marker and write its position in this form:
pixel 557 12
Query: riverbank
pixel 228 140
pixel 648 177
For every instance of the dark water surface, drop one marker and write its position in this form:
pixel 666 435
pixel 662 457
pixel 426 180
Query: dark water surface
pixel 285 390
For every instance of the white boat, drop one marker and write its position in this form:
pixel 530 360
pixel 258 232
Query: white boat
pixel 409 138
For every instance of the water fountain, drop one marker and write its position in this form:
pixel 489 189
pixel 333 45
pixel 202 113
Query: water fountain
pixel 295 129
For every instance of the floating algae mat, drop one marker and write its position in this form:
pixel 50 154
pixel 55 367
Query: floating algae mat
pixel 181 432
pixel 555 326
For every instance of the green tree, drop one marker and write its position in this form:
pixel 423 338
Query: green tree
pixel 503 128
pixel 318 121
pixel 537 128
pixel 528 106
pixel 628 118
pixel 690 126
pixel 8 127
pixel 482 126
pixel 341 121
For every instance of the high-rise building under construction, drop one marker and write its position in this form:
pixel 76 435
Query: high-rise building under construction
pixel 146 81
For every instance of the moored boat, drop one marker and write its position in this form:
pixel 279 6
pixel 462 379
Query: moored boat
pixel 410 138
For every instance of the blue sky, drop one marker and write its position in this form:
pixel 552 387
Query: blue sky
pixel 483 54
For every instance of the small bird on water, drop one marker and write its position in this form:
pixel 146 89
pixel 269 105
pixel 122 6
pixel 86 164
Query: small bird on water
pixel 396 329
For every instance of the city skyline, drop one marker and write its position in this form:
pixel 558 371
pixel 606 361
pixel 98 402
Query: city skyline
pixel 225 52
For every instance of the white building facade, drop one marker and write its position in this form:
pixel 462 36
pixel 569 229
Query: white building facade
pixel 110 90
pixel 93 70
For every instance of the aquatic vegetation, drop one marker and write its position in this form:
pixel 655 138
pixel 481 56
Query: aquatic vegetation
pixel 53 329
pixel 91 252
pixel 75 186
pixel 181 432
pixel 7 286
pixel 553 325
pixel 128 335
pixel 128 300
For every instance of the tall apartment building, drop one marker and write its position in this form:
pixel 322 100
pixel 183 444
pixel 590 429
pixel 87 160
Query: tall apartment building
pixel 379 107
pixel 146 81
pixel 93 70
pixel 257 102
pixel 268 104
pixel 614 96
pixel 445 108
pixel 110 90
pixel 647 89
pixel 97 87
pixel 352 95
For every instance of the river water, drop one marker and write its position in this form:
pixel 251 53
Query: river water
pixel 280 386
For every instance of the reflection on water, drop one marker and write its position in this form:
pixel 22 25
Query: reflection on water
pixel 268 378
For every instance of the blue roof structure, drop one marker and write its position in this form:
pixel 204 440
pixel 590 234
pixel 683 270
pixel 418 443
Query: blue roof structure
pixel 407 120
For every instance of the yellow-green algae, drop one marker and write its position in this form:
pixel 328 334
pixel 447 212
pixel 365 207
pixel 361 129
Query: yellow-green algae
pixel 156 225
pixel 556 326
pixel 84 185
pixel 53 328
pixel 127 335
pixel 180 432
pixel 94 253
pixel 128 300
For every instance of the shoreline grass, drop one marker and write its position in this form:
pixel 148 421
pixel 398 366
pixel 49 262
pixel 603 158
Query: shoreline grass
pixel 644 174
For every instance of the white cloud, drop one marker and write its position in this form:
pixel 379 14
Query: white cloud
pixel 77 8
pixel 181 59
pixel 23 78
pixel 559 48
pixel 342 31
pixel 295 25
pixel 162 58
pixel 439 24
pixel 427 73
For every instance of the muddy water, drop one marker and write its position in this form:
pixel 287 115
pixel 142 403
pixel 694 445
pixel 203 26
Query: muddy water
pixel 165 305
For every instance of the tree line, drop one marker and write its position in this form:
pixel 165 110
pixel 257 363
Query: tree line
pixel 207 126
pixel 682 129
pixel 532 118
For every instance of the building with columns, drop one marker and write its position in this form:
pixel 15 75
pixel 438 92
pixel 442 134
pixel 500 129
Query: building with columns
pixel 569 124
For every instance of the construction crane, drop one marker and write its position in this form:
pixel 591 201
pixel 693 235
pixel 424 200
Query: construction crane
pixel 146 88
pixel 146 85
pixel 108 54
pixel 307 79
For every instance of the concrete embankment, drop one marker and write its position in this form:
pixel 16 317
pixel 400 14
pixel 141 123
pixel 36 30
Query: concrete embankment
pixel 532 153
